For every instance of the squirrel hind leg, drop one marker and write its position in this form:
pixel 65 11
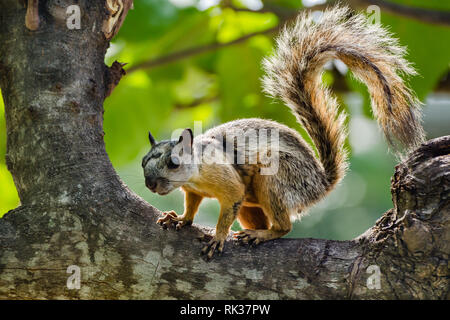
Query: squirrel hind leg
pixel 280 225
pixel 253 218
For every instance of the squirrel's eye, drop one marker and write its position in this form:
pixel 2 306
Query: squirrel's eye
pixel 174 162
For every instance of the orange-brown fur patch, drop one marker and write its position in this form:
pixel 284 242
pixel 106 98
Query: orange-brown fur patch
pixel 253 218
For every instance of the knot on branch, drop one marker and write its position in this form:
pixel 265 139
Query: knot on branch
pixel 421 183
pixel 420 192
pixel 117 10
pixel 113 76
pixel 416 235
pixel 32 15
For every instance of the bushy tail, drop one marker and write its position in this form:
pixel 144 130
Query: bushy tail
pixel 294 74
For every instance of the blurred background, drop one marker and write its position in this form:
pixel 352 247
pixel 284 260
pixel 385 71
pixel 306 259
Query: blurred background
pixel 200 60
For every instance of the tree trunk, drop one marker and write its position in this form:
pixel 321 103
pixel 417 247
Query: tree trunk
pixel 76 211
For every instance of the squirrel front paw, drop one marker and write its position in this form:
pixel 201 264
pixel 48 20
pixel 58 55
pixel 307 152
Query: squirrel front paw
pixel 170 218
pixel 214 244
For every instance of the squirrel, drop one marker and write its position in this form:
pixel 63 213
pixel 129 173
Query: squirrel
pixel 266 205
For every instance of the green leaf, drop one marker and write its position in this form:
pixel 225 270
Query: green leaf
pixel 9 198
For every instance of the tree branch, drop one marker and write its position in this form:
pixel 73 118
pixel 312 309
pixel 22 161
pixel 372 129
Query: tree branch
pixel 196 102
pixel 426 15
pixel 183 54
pixel 282 12
pixel 122 253
pixel 416 13
pixel 420 14
pixel 284 15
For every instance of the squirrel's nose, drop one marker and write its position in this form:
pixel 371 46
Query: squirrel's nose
pixel 150 183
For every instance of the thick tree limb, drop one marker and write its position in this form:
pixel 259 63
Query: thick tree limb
pixel 76 211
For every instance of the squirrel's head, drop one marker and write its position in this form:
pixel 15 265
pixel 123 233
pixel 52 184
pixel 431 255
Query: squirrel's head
pixel 169 165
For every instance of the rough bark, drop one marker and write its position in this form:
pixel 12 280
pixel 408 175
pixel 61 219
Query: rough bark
pixel 76 211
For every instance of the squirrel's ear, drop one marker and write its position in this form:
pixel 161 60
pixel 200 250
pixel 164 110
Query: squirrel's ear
pixel 151 139
pixel 187 138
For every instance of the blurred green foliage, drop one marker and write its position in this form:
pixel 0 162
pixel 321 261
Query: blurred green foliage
pixel 8 194
pixel 221 85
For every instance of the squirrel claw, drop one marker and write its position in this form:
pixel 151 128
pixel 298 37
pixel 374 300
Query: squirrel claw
pixel 205 237
pixel 245 237
pixel 170 218
pixel 167 218
pixel 181 224
pixel 211 247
